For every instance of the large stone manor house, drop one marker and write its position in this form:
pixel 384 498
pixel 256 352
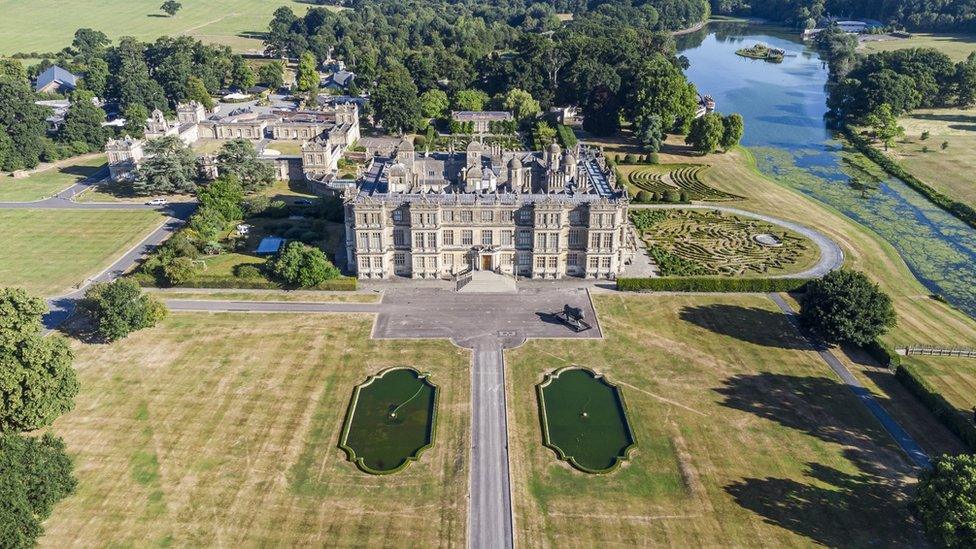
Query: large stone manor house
pixel 546 215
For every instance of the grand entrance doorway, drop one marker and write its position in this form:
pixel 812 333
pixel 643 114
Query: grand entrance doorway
pixel 486 262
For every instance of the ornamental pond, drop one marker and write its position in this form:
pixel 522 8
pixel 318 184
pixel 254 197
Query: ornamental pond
pixel 584 419
pixel 390 421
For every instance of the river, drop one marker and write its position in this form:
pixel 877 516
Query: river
pixel 783 106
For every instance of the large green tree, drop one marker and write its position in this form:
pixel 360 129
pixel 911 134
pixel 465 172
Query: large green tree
pixel 37 382
pixel 171 7
pixel 433 103
pixel 395 101
pixel 733 126
pixel 239 158
pixel 470 100
pixel 35 474
pixel 659 87
pixel 83 122
pixel 706 133
pixel 225 195
pixel 303 266
pixel 885 125
pixel 307 78
pixel 135 120
pixel 241 74
pixel 169 169
pixel 846 307
pixel 946 501
pixel 23 125
pixel 129 81
pixel 521 104
pixel 119 308
pixel 197 91
pixel 272 74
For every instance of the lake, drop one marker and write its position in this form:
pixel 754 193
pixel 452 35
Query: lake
pixel 783 106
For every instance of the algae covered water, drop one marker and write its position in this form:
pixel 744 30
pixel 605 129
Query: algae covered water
pixel 585 419
pixel 390 421
pixel 783 106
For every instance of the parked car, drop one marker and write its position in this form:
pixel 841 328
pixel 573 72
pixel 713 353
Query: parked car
pixel 157 202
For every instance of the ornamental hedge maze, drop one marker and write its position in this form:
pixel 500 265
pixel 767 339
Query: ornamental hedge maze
pixel 695 243
pixel 682 179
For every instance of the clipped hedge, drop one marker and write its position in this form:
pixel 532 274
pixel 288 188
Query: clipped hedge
pixel 952 418
pixel 963 212
pixel 710 284
pixel 884 354
pixel 566 136
pixel 343 284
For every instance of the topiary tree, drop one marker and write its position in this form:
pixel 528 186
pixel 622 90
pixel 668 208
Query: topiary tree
pixel 671 196
pixel 37 382
pixel 946 501
pixel 120 308
pixel 846 307
pixel 35 474
pixel 644 196
pixel 630 159
pixel 303 266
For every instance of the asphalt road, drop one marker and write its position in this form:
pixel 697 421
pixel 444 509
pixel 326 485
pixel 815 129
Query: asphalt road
pixel 901 437
pixel 831 255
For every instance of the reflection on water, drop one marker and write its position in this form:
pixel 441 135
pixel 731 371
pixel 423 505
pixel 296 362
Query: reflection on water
pixel 783 106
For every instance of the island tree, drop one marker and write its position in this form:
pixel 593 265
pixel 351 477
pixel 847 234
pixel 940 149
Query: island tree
pixel 171 7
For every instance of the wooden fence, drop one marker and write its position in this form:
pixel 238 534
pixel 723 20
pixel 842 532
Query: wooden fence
pixel 964 352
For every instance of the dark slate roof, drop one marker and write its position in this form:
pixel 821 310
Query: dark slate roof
pixel 342 78
pixel 56 74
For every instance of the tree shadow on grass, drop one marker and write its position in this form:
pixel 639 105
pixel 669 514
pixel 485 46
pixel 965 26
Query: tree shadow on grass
pixel 835 508
pixel 749 324
pixel 81 171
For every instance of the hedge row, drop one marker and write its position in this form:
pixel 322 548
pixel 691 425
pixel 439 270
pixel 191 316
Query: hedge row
pixel 955 421
pixel 566 136
pixel 962 211
pixel 344 284
pixel 710 284
pixel 885 355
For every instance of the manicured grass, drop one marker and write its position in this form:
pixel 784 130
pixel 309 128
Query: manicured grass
pixel 268 295
pixel 949 171
pixel 222 430
pixel 286 147
pixel 956 46
pixel 921 319
pixel 744 435
pixel 49 182
pixel 956 377
pixel 49 251
pixel 48 25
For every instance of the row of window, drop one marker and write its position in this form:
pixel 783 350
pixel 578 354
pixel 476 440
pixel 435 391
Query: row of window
pixel 501 216
pixel 421 263
pixel 543 240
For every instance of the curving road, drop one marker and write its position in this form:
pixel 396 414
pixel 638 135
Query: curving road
pixel 176 215
pixel 831 255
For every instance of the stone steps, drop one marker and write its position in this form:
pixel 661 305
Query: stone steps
pixel 486 282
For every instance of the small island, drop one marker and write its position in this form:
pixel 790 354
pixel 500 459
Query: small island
pixel 762 51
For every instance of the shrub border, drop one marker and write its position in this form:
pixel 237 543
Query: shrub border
pixel 946 413
pixel 547 442
pixel 351 411
pixel 711 284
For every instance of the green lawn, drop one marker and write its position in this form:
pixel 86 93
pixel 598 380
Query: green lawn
pixel 48 25
pixel 218 430
pixel 950 170
pixel 48 182
pixel 50 251
pixel 956 46
pixel 744 437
